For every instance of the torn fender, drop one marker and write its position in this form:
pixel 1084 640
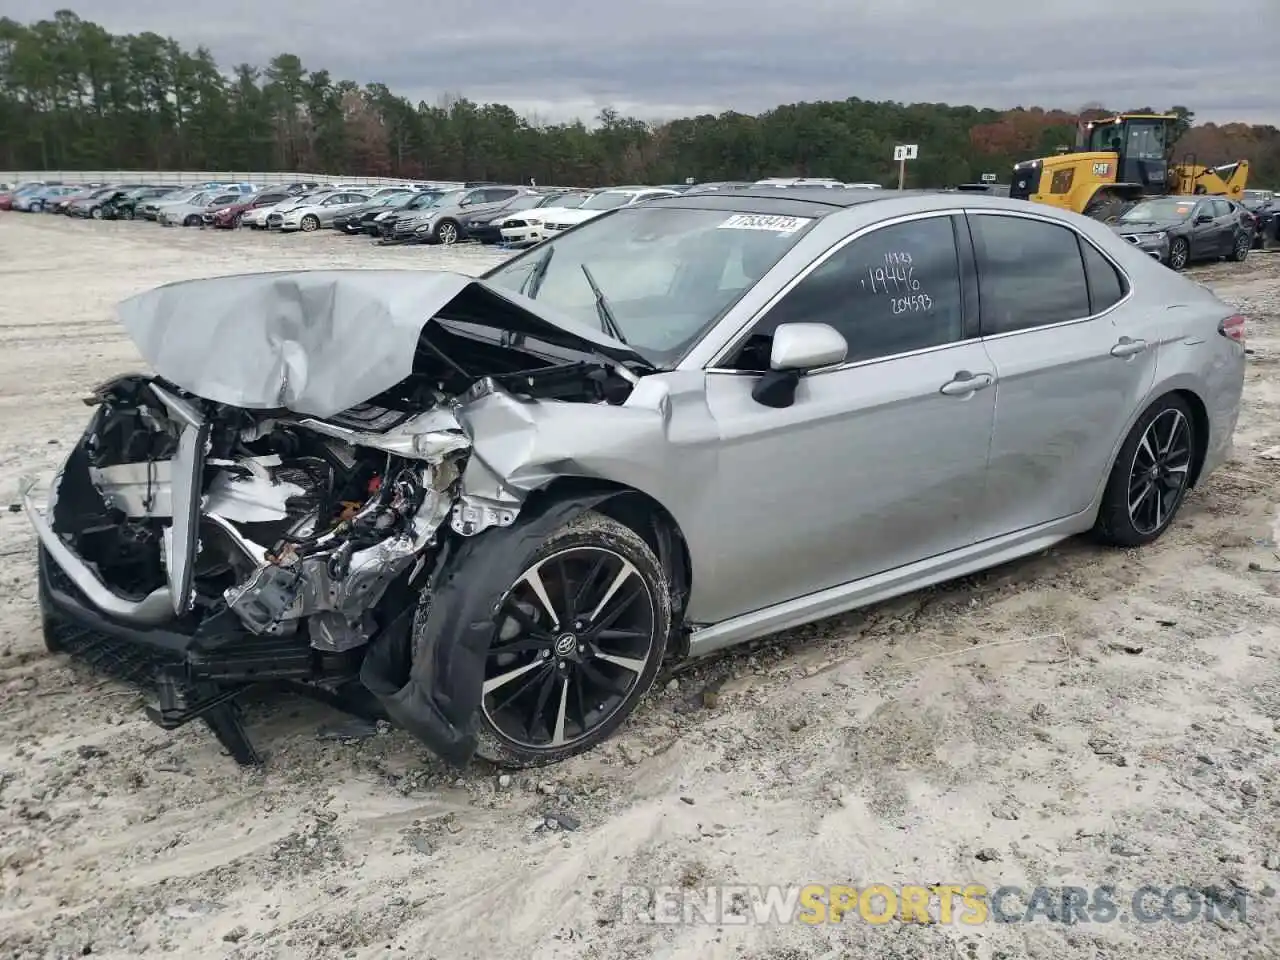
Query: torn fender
pixel 427 668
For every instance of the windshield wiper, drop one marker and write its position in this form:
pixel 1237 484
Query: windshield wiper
pixel 534 280
pixel 607 319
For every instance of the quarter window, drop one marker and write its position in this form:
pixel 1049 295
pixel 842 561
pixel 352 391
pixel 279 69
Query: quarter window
pixel 1106 286
pixel 891 291
pixel 1030 273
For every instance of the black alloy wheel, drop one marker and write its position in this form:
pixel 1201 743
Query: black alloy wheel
pixel 578 641
pixel 1151 475
pixel 1179 254
pixel 1159 471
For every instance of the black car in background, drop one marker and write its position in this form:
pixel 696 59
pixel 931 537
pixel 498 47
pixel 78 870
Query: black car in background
pixel 1178 231
pixel 1264 206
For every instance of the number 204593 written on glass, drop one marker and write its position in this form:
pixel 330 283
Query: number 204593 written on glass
pixel 897 277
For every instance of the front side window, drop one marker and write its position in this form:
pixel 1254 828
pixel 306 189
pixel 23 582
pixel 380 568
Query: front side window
pixel 1030 273
pixel 889 292
pixel 667 274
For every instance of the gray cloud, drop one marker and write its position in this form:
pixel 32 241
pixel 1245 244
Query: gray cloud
pixel 663 58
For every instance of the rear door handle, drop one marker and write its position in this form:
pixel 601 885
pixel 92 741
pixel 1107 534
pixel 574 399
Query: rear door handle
pixel 1127 347
pixel 966 383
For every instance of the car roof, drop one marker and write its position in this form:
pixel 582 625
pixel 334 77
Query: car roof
pixel 784 201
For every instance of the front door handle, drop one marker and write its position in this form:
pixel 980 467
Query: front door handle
pixel 966 383
pixel 1127 347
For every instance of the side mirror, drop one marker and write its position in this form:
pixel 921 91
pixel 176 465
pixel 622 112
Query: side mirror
pixel 797 348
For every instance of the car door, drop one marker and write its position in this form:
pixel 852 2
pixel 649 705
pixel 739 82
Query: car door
pixel 1069 369
pixel 1229 216
pixel 1206 231
pixel 880 461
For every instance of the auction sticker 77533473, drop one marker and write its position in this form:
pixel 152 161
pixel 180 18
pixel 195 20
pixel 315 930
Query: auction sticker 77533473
pixel 771 224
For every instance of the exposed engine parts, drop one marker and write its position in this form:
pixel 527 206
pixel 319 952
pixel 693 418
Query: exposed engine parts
pixel 299 525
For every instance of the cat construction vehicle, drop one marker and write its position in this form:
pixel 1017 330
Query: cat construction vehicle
pixel 1119 160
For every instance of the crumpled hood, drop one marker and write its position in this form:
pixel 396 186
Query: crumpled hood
pixel 318 342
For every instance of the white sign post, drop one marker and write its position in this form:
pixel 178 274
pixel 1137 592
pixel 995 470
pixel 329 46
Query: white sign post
pixel 902 153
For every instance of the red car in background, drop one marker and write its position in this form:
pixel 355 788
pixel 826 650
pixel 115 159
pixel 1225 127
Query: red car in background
pixel 6 200
pixel 229 217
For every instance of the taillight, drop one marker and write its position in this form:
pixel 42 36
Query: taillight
pixel 1233 328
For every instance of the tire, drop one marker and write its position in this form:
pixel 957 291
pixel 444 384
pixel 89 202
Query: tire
pixel 235 221
pixel 1240 250
pixel 1104 206
pixel 570 689
pixel 310 223
pixel 1179 254
pixel 37 208
pixel 126 213
pixel 191 220
pixel 95 213
pixel 446 232
pixel 1168 430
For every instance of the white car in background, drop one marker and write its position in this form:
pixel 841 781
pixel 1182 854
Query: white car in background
pixel 525 226
pixel 611 199
pixel 257 216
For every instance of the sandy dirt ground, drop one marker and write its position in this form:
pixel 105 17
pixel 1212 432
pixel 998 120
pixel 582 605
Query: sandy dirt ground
pixel 1084 717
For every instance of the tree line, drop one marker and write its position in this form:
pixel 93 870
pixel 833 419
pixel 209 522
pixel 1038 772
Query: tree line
pixel 74 96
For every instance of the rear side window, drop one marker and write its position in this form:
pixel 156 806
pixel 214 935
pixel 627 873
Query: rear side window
pixel 1106 286
pixel 1030 273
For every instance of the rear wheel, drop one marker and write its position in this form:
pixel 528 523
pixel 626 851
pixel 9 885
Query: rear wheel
pixel 577 642
pixel 1150 477
pixel 1179 253
pixel 1104 206
pixel 1243 244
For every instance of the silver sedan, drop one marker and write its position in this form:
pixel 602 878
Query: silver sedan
pixel 498 504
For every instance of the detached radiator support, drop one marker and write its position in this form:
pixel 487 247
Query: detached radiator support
pixel 180 702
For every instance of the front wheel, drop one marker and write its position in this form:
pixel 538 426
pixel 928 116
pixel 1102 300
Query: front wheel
pixel 1243 244
pixel 126 213
pixel 1150 477
pixel 37 207
pixel 310 223
pixel 577 642
pixel 191 221
pixel 95 213
pixel 1179 254
pixel 446 233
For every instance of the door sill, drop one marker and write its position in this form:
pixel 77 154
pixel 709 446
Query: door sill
pixel 883 586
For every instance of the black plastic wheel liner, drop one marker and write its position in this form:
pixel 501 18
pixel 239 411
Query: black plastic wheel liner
pixel 434 691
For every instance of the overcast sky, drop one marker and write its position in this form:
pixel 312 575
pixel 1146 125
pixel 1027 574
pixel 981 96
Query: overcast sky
pixel 668 58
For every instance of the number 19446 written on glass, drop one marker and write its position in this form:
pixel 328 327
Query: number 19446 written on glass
pixel 896 277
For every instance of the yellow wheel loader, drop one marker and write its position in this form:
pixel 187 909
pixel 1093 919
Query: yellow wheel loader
pixel 1117 161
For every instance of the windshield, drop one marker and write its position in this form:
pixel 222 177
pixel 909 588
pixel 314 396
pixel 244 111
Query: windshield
pixel 571 201
pixel 1166 208
pixel 608 200
pixel 668 273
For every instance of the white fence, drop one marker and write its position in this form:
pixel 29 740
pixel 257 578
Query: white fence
pixel 178 177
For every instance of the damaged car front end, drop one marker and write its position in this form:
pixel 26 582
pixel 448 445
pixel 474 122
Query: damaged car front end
pixel 291 497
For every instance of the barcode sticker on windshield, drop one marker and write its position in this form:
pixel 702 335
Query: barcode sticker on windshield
pixel 755 221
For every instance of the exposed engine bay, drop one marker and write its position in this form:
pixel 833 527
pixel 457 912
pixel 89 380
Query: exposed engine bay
pixel 299 524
